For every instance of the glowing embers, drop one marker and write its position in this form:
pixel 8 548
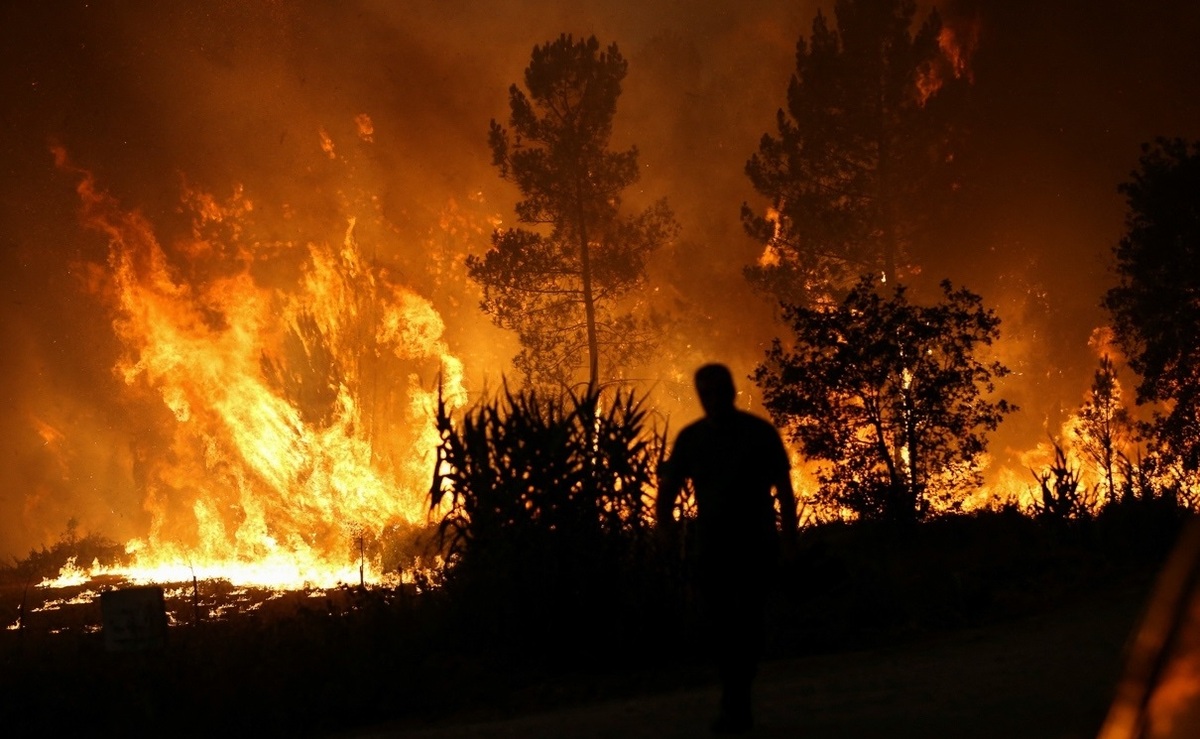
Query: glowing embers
pixel 76 609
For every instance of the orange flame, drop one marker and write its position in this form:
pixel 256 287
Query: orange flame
pixel 366 127
pixel 957 42
pixel 275 460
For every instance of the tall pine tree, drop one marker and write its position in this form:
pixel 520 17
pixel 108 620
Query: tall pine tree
pixel 562 280
pixel 862 150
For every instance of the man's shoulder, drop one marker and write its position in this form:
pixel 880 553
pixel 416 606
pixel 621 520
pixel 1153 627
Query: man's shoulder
pixel 750 420
pixel 740 420
pixel 693 429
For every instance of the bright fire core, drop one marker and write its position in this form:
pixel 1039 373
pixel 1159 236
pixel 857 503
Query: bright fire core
pixel 287 388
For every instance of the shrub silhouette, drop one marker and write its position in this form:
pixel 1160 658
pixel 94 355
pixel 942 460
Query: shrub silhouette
pixel 1063 496
pixel 544 516
pixel 70 547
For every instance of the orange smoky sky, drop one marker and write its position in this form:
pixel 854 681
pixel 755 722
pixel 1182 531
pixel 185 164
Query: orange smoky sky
pixel 307 105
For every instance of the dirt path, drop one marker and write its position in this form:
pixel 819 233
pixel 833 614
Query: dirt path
pixel 1048 676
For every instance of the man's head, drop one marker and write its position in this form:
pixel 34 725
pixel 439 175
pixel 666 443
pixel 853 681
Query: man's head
pixel 714 385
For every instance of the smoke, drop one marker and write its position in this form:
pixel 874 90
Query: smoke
pixel 156 97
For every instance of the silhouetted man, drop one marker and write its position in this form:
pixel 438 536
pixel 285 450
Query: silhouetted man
pixel 734 460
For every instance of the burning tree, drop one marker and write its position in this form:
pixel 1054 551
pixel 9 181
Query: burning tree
pixel 1155 310
pixel 864 141
pixel 561 287
pixel 889 396
pixel 1103 427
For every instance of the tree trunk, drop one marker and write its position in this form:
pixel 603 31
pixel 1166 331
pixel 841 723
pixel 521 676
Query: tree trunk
pixel 915 492
pixel 589 305
pixel 886 199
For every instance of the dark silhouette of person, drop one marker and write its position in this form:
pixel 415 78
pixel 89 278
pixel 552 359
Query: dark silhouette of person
pixel 734 460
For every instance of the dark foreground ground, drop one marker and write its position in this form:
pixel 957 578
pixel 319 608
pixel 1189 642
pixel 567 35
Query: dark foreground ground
pixel 983 626
pixel 1049 675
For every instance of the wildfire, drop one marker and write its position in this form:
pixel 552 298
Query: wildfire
pixel 770 256
pixel 298 428
pixel 957 42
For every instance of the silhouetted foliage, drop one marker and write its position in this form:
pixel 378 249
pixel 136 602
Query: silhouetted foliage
pixel 48 561
pixel 1156 316
pixel 862 155
pixel 561 288
pixel 1149 505
pixel 1157 477
pixel 1144 479
pixel 889 395
pixel 544 511
pixel 1062 495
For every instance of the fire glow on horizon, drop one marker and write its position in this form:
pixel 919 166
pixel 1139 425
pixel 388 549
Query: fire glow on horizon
pixel 260 487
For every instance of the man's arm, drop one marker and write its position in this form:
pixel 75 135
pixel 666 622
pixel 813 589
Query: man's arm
pixel 787 513
pixel 669 486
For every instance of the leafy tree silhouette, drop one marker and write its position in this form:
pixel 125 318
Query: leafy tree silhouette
pixel 890 396
pixel 1154 307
